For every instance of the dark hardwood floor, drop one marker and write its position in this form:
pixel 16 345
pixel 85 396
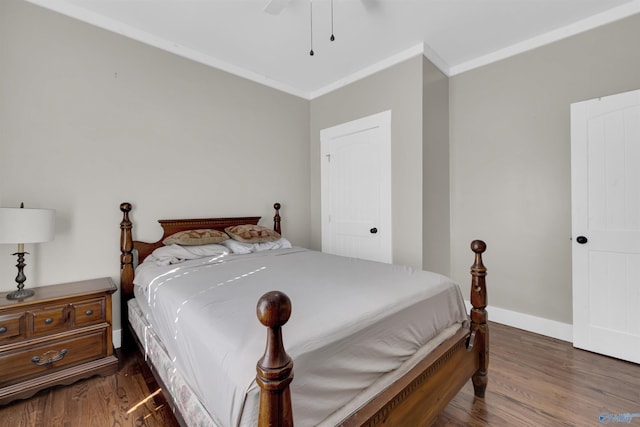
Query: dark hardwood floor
pixel 540 381
pixel 533 381
pixel 130 397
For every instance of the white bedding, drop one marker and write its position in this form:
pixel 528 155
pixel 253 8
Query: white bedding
pixel 352 322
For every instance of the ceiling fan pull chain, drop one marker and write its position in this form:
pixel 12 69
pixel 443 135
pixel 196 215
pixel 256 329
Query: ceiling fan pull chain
pixel 332 37
pixel 311 25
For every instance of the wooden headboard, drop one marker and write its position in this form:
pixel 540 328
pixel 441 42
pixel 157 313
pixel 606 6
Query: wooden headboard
pixel 169 226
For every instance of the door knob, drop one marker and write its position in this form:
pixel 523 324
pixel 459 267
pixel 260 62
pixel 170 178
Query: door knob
pixel 373 230
pixel 582 240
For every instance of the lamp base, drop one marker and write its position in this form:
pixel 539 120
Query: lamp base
pixel 20 294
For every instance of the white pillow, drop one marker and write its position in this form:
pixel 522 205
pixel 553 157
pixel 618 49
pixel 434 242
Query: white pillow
pixel 247 248
pixel 173 254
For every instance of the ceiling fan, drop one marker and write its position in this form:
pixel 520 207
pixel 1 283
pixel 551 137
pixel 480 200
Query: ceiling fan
pixel 274 7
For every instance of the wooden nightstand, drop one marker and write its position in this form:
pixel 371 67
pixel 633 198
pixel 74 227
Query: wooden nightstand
pixel 61 334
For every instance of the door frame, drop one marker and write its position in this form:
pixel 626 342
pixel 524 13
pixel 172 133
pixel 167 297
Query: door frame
pixel 599 339
pixel 381 121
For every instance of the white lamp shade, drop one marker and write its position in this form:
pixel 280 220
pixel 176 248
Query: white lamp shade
pixel 22 225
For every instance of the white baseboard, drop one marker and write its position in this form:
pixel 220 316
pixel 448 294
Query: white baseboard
pixel 538 325
pixel 117 338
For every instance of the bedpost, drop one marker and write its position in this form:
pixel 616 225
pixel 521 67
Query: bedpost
pixel 479 325
pixel 276 219
pixel 126 272
pixel 126 249
pixel 275 368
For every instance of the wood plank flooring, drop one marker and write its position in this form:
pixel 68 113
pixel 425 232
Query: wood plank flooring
pixel 533 381
pixel 128 398
pixel 541 381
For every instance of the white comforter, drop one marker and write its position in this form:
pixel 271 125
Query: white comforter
pixel 352 321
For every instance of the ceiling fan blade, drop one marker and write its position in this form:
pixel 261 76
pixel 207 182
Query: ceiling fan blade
pixel 274 7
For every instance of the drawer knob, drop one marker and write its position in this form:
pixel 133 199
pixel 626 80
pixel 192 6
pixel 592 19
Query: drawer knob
pixel 48 320
pixel 88 312
pixel 49 357
pixel 3 330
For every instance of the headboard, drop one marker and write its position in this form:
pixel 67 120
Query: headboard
pixel 169 226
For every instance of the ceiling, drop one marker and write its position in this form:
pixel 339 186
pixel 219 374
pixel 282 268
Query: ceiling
pixel 240 37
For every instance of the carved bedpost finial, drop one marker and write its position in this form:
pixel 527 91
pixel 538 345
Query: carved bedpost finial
pixel 275 368
pixel 126 271
pixel 478 274
pixel 276 218
pixel 126 248
pixel 478 246
pixel 126 241
pixel 479 319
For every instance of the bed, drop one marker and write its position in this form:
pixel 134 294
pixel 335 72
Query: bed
pixel 189 316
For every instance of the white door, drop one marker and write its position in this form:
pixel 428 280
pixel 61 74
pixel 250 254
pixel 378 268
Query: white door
pixel 356 188
pixel 605 175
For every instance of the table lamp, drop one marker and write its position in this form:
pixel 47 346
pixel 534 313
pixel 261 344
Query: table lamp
pixel 20 225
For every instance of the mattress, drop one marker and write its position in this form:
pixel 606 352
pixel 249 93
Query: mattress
pixel 183 399
pixel 353 323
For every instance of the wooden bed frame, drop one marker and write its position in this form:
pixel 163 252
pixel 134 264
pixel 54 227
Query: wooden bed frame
pixel 415 399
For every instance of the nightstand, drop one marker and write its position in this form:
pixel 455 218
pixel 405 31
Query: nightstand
pixel 60 335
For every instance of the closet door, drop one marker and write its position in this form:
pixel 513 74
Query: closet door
pixel 605 154
pixel 356 188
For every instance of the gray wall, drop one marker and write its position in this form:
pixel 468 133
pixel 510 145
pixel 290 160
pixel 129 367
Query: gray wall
pixel 84 113
pixel 436 231
pixel 417 93
pixel 89 119
pixel 398 89
pixel 510 161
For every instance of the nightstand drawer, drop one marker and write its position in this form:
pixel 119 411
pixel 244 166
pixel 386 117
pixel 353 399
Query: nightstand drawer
pixel 28 362
pixel 11 327
pixel 49 320
pixel 59 335
pixel 89 312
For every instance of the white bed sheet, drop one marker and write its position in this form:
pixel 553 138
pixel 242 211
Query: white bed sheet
pixel 352 322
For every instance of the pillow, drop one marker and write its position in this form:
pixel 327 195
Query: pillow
pixel 196 237
pixel 239 248
pixel 173 254
pixel 252 233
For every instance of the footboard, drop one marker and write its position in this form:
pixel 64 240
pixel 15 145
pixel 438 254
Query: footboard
pixel 414 399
